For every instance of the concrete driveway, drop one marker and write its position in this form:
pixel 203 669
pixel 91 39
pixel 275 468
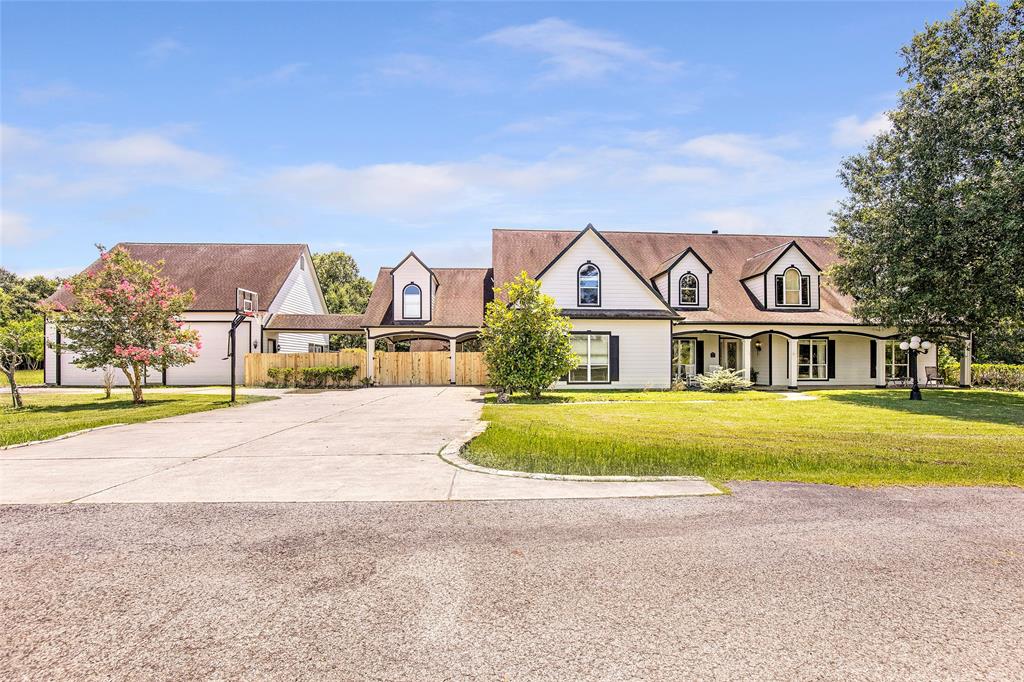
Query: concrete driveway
pixel 377 444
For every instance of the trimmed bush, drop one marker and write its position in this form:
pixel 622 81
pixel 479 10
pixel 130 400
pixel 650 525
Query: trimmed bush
pixel 280 376
pixel 723 381
pixel 325 377
pixel 989 375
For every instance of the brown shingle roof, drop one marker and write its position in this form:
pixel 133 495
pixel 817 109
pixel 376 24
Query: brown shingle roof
pixel 459 300
pixel 213 271
pixel 725 254
pixel 320 323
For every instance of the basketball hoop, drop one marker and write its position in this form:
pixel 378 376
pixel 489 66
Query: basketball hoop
pixel 247 304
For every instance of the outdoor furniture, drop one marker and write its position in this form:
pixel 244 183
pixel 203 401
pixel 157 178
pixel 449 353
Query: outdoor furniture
pixel 898 382
pixel 932 378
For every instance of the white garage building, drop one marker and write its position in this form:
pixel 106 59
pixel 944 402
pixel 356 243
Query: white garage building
pixel 282 275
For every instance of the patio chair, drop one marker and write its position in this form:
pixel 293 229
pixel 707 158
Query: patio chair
pixel 932 377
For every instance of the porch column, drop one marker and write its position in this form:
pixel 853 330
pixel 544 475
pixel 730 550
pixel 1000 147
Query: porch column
pixel 965 363
pixel 451 360
pixel 791 381
pixel 880 363
pixel 369 356
pixel 746 359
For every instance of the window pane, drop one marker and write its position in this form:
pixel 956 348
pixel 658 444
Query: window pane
pixel 579 347
pixel 599 350
pixel 588 296
pixel 803 355
pixel 792 279
pixel 599 372
pixel 579 374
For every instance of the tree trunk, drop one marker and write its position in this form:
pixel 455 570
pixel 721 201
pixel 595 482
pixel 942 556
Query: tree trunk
pixel 15 393
pixel 135 382
pixel 502 396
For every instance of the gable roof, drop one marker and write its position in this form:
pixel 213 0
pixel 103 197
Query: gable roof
pixel 214 270
pixel 670 263
pixel 531 250
pixel 312 322
pixel 459 300
pixel 412 254
pixel 762 262
pixel 590 228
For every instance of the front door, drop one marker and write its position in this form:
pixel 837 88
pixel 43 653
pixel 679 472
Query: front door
pixel 731 354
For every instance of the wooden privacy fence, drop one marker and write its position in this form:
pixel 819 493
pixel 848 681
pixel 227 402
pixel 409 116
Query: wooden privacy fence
pixel 422 368
pixel 257 364
pixel 428 368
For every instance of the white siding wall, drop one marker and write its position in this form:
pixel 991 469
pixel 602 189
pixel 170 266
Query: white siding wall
pixel 690 263
pixel 297 296
pixel 661 282
pixel 755 285
pixel 413 271
pixel 792 257
pixel 644 352
pixel 620 288
pixel 211 367
pixel 759 360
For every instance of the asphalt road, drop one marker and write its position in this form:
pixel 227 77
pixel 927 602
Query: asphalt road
pixel 774 582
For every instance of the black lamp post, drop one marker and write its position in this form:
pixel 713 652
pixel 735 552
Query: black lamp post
pixel 915 346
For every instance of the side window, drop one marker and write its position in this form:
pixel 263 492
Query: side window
pixel 588 279
pixel 411 301
pixel 688 289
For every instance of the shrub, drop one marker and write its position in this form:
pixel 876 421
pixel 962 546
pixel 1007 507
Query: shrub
pixel 280 376
pixel 324 377
pixel 723 381
pixel 989 375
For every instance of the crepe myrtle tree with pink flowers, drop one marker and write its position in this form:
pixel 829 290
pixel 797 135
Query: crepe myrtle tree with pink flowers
pixel 125 315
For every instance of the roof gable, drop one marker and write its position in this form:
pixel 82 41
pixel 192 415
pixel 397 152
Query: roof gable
pixel 760 263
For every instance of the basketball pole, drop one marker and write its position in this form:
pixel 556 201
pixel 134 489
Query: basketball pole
pixel 239 318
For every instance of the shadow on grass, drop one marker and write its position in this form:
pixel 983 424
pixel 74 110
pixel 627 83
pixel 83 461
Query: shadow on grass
pixel 967 405
pixel 98 405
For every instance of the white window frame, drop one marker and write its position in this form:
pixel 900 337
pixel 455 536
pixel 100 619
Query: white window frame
pixel 580 287
pixel 589 365
pixel 695 289
pixel 892 349
pixel 800 279
pixel 419 302
pixel 821 364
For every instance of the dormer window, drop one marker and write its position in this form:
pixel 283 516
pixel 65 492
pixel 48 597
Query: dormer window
pixel 411 297
pixel 792 288
pixel 688 289
pixel 588 279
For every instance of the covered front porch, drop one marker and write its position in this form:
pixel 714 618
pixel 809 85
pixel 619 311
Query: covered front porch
pixel 801 356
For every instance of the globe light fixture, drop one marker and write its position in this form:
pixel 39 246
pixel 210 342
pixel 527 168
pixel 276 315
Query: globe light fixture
pixel 914 346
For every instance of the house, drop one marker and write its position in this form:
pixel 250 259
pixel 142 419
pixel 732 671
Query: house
pixel 281 274
pixel 649 308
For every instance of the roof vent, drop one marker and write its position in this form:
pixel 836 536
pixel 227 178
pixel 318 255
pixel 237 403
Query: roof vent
pixel 714 231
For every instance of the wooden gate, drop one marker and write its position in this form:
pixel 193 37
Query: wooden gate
pixel 428 368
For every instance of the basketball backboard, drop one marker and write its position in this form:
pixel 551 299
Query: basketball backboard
pixel 246 302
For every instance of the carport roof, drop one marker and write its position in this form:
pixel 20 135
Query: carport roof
pixel 315 323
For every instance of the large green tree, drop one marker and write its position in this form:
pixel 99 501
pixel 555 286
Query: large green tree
pixel 345 290
pixel 525 339
pixel 19 310
pixel 931 232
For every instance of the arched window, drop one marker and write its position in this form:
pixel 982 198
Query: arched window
pixel 792 288
pixel 588 279
pixel 411 297
pixel 688 291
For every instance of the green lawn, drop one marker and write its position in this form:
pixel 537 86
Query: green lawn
pixel 24 377
pixel 52 414
pixel 632 396
pixel 873 437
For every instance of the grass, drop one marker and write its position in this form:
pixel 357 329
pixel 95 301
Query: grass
pixel 873 437
pixel 24 377
pixel 46 415
pixel 548 397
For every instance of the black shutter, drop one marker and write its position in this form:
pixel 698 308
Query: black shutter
pixel 831 358
pixel 700 356
pixel 805 290
pixel 779 296
pixel 613 350
pixel 874 358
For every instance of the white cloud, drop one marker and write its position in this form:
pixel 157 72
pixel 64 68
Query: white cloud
pixel 428 70
pixel 732 219
pixel 673 174
pixel 850 131
pixel 734 149
pixel 14 141
pixel 45 94
pixel 149 150
pixel 571 52
pixel 14 229
pixel 161 50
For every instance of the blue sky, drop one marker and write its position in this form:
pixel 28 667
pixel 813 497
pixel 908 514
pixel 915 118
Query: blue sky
pixel 379 128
